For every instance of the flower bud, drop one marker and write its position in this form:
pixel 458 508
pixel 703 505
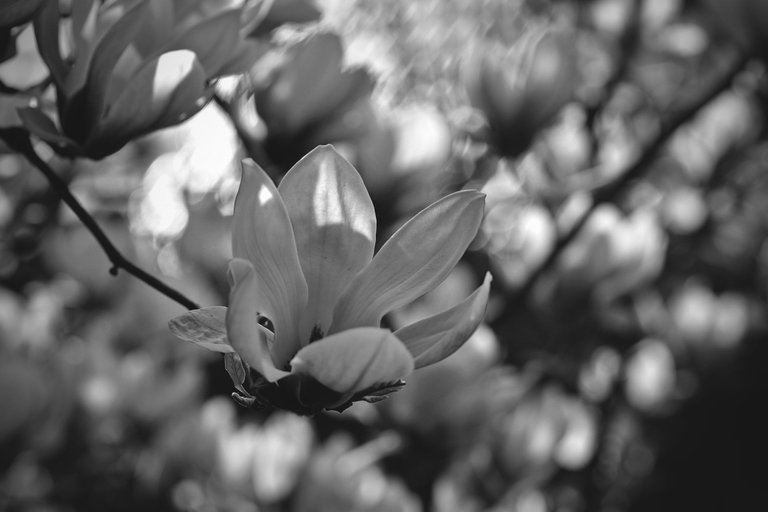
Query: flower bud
pixel 524 92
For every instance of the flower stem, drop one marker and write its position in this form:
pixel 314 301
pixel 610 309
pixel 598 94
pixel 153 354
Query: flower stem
pixel 18 139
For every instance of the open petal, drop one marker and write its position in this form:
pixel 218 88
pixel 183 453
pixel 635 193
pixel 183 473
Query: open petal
pixel 417 258
pixel 262 234
pixel 335 227
pixel 435 338
pixel 355 360
pixel 249 339
pixel 205 327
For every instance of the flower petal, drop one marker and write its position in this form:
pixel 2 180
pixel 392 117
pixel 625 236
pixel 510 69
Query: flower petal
pixel 262 234
pixel 417 258
pixel 246 335
pixel 335 228
pixel 205 327
pixel 164 91
pixel 47 38
pixel 355 360
pixel 435 338
pixel 213 40
pixel 106 55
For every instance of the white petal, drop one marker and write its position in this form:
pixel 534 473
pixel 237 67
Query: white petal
pixel 417 258
pixel 435 338
pixel 249 339
pixel 355 360
pixel 204 327
pixel 262 234
pixel 335 228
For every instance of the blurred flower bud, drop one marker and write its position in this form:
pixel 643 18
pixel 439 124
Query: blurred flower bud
pixel 613 254
pixel 305 87
pixel 710 325
pixel 546 428
pixel 135 67
pixel 524 92
pixel 651 376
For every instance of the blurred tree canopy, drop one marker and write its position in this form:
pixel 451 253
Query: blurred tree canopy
pixel 621 145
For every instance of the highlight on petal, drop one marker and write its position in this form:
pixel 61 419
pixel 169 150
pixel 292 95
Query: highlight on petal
pixel 434 338
pixel 205 327
pixel 335 228
pixel 418 257
pixel 164 91
pixel 355 360
pixel 249 339
pixel 262 234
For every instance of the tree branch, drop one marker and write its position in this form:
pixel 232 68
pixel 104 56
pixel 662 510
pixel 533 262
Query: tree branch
pixel 18 139
pixel 611 190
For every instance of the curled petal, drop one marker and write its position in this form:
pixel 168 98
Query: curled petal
pixel 205 327
pixel 435 338
pixel 355 360
pixel 262 234
pixel 417 258
pixel 335 228
pixel 249 339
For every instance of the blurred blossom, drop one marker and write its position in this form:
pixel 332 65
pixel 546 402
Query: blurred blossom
pixel 517 234
pixel 304 91
pixel 709 324
pixel 434 400
pixel 613 254
pixel 307 336
pixel 162 210
pixel 651 376
pixel 599 373
pixel 522 92
pixel 340 477
pixel 546 428
pixel 728 121
pixel 135 67
pixel 684 210
pixel 265 461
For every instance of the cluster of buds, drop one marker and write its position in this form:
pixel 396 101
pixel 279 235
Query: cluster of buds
pixel 134 67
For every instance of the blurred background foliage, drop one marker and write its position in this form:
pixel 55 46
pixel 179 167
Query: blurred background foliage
pixel 622 148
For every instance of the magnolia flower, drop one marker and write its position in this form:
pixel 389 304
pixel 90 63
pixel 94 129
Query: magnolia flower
pixel 135 67
pixel 521 93
pixel 302 330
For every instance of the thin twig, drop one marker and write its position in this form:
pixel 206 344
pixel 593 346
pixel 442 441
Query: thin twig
pixel 18 139
pixel 610 191
pixel 234 109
